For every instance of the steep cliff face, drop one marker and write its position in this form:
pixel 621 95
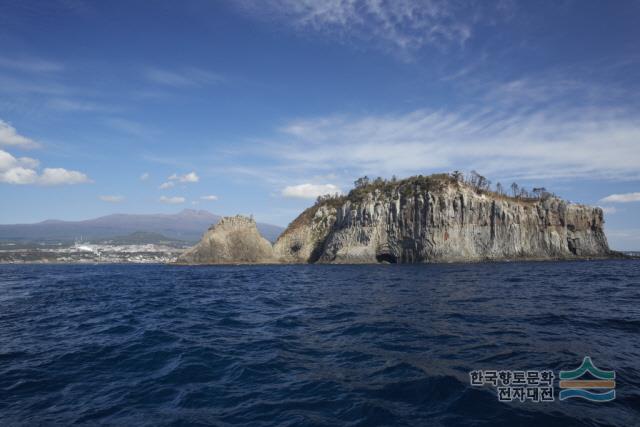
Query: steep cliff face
pixel 441 221
pixel 303 241
pixel 233 240
pixel 420 219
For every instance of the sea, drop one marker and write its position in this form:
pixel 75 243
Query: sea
pixel 316 345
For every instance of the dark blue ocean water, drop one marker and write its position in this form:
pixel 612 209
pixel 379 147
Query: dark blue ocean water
pixel 310 345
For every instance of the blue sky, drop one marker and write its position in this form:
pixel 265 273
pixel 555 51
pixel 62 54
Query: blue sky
pixel 256 107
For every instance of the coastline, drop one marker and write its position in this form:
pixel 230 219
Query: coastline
pixel 616 256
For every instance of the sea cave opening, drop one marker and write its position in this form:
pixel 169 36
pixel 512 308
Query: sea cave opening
pixel 386 258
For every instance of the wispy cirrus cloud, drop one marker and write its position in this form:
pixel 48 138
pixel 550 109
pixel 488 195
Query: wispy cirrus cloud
pixel 182 77
pixel 74 106
pixel 112 198
pixel 540 144
pixel 544 138
pixel 27 84
pixel 399 27
pixel 176 200
pixel 130 127
pixel 30 64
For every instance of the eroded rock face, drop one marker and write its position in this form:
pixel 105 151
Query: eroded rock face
pixel 233 240
pixel 451 224
pixel 303 241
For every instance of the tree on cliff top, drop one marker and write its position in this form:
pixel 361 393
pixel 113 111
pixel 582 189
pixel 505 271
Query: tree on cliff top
pixel 479 182
pixel 361 182
pixel 514 189
pixel 417 183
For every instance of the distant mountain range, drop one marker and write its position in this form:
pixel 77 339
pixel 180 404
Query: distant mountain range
pixel 188 225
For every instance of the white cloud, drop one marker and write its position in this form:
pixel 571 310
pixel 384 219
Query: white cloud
pixel 622 198
pixel 144 176
pixel 309 191
pixel 18 175
pixel 209 198
pixel 184 77
pixel 9 136
pixel 7 161
pixel 166 185
pixel 59 176
pixel 190 177
pixel 112 199
pixel 22 171
pixel 172 200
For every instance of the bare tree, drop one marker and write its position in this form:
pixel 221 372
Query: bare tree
pixel 514 189
pixel 457 175
pixel 499 189
pixel 473 179
pixel 479 182
pixel 539 192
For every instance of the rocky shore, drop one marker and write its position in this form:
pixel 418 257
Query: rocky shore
pixel 416 220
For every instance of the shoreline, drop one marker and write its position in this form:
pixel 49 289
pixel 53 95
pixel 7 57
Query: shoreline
pixel 617 257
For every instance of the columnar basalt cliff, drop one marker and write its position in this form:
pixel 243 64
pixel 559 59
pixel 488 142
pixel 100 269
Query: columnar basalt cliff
pixel 421 219
pixel 439 219
pixel 233 240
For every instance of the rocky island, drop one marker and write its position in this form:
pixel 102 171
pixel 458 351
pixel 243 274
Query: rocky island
pixel 437 218
pixel 233 240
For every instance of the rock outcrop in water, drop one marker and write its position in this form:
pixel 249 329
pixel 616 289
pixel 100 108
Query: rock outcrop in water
pixel 439 219
pixel 233 240
pixel 420 219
